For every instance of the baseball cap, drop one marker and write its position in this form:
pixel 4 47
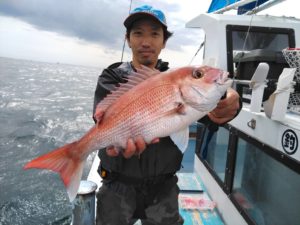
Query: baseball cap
pixel 145 10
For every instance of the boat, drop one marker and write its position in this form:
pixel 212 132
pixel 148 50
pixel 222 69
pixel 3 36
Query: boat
pixel 247 171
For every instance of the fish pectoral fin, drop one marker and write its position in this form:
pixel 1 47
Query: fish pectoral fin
pixel 180 108
pixel 98 115
pixel 181 139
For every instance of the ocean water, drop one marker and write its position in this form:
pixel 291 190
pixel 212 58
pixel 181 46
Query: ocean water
pixel 42 107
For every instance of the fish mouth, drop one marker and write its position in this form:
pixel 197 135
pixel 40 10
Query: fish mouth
pixel 226 82
pixel 222 84
pixel 223 78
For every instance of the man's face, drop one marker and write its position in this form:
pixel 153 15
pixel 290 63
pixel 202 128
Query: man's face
pixel 146 40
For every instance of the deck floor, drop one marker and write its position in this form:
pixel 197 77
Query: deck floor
pixel 195 205
pixel 192 192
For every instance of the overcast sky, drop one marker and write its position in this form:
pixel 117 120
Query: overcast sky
pixel 90 32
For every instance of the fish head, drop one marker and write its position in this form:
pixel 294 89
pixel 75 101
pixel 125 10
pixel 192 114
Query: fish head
pixel 203 87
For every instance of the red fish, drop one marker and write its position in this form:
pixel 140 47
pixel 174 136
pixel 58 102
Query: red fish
pixel 151 104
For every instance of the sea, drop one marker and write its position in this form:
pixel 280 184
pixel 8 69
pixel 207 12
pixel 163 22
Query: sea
pixel 42 106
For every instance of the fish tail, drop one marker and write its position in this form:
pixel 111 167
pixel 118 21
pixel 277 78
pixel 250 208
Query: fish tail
pixel 64 161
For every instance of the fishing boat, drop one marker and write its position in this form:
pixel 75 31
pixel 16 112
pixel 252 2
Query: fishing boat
pixel 247 171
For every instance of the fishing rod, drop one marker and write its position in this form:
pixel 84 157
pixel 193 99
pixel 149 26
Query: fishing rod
pixel 125 37
pixel 200 47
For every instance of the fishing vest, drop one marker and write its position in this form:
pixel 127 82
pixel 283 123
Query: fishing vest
pixel 158 159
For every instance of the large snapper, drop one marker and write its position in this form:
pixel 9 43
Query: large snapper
pixel 152 105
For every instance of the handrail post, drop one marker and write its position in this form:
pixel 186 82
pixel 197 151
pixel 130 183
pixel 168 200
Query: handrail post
pixel 84 204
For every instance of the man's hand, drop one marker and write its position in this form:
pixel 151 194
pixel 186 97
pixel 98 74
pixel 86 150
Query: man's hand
pixel 134 147
pixel 226 109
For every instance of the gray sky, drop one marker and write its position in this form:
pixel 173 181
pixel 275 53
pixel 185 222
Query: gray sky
pixel 90 32
pixel 86 32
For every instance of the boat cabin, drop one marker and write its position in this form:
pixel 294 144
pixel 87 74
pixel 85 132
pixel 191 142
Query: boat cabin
pixel 251 166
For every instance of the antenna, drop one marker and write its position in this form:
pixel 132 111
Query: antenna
pixel 125 37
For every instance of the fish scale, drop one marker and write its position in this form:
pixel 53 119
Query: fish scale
pixel 149 104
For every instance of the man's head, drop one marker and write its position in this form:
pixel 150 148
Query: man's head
pixel 146 34
pixel 147 11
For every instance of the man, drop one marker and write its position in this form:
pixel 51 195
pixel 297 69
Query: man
pixel 140 182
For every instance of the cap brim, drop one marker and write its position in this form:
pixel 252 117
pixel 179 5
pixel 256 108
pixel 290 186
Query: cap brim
pixel 136 16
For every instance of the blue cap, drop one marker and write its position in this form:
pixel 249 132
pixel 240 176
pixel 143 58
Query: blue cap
pixel 145 10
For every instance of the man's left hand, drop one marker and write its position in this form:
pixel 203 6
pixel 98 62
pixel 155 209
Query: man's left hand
pixel 226 109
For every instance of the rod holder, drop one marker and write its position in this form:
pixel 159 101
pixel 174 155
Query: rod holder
pixel 84 204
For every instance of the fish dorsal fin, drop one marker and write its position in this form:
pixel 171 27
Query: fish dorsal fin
pixel 147 72
pixel 133 79
pixel 181 139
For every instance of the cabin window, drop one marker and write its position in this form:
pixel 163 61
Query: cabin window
pixel 214 150
pixel 189 154
pixel 266 189
pixel 242 40
pixel 247 47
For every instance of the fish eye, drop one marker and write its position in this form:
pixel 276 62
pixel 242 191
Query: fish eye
pixel 198 74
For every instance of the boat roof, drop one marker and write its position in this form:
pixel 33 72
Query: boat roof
pixel 242 6
pixel 203 20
